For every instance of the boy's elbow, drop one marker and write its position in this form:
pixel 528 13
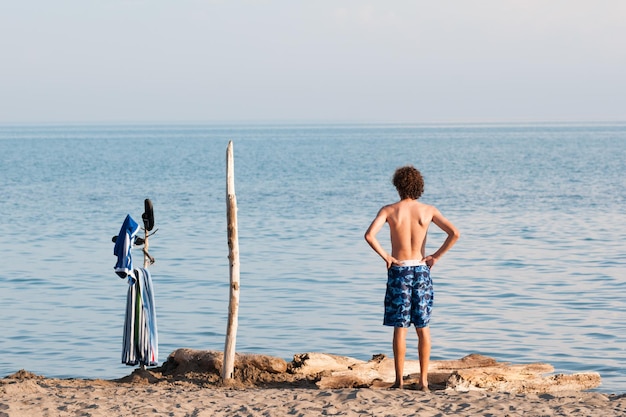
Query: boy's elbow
pixel 453 234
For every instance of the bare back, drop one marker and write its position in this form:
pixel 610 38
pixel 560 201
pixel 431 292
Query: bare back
pixel 408 225
pixel 408 222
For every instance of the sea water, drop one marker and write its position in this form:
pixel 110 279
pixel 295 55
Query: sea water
pixel 539 274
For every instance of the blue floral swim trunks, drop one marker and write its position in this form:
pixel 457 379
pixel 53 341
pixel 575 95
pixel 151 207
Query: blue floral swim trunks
pixel 409 296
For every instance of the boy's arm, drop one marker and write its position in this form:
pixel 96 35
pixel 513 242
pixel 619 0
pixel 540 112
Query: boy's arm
pixel 370 237
pixel 453 235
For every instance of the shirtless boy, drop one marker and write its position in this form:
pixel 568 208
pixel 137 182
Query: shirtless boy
pixel 409 295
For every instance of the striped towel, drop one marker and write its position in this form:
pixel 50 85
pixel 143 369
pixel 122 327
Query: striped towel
pixel 141 342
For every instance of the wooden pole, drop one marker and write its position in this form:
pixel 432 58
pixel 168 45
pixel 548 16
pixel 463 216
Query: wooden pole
pixel 233 257
pixel 146 263
pixel 146 257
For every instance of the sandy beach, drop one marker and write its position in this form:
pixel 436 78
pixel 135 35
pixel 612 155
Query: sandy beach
pixel 189 384
pixel 38 396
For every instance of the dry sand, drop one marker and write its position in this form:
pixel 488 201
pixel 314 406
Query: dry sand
pixel 143 394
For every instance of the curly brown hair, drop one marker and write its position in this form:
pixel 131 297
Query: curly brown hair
pixel 409 182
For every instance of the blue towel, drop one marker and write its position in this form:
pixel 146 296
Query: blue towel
pixel 123 244
pixel 141 342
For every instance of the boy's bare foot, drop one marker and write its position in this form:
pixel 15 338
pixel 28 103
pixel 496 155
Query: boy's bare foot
pixel 396 386
pixel 423 388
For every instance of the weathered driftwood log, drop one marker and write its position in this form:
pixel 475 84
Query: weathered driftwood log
pixel 520 379
pixel 189 360
pixel 473 372
pixel 313 363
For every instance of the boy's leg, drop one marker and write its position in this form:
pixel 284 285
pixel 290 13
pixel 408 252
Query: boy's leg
pixel 423 350
pixel 399 353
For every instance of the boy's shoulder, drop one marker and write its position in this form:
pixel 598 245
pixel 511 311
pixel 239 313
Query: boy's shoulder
pixel 413 204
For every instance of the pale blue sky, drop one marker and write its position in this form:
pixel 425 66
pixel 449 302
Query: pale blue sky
pixel 317 60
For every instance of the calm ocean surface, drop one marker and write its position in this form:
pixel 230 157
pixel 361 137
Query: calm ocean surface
pixel 539 274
